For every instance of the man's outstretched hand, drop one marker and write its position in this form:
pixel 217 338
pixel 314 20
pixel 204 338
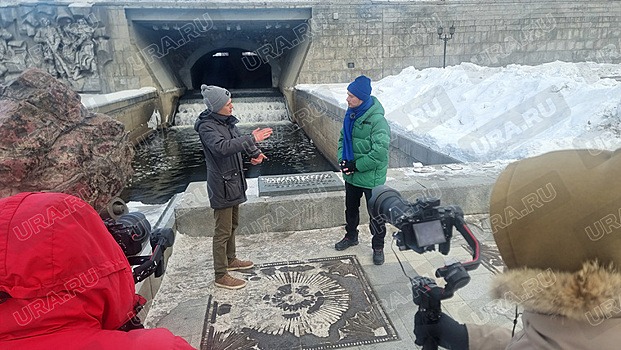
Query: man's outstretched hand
pixel 261 134
pixel 258 159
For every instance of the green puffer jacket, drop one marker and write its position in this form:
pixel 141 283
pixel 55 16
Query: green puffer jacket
pixel 371 138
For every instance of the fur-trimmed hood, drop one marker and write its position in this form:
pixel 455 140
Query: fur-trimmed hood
pixel 556 219
pixel 561 310
pixel 590 294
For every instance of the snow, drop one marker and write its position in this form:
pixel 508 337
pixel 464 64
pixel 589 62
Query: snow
pixel 93 101
pixel 480 114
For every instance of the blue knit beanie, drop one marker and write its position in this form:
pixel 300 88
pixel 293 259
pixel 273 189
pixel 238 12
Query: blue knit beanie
pixel 361 88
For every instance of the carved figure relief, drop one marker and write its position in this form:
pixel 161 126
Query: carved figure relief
pixel 5 54
pixel 52 38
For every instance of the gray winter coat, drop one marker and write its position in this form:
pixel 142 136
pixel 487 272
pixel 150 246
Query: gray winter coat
pixel 222 145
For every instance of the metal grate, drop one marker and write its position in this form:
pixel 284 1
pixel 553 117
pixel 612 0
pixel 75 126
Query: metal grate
pixel 280 185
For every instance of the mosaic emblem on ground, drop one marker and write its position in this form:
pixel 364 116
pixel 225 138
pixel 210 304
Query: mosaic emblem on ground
pixel 313 304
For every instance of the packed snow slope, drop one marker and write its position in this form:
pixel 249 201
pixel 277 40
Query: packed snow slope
pixel 481 114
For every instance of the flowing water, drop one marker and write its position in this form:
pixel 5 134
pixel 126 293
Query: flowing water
pixel 172 158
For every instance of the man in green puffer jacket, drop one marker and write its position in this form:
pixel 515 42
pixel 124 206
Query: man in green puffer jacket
pixel 363 157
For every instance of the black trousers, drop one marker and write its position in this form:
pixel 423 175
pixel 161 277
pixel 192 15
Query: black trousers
pixel 353 194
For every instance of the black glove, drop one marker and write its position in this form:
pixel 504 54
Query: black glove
pixel 348 166
pixel 446 333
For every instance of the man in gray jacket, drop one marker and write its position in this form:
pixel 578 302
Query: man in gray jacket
pixel 226 184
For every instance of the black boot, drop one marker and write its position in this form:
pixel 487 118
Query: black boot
pixel 378 256
pixel 345 243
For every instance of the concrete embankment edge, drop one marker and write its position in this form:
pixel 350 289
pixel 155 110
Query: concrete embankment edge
pixel 467 185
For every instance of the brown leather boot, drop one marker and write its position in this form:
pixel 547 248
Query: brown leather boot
pixel 229 282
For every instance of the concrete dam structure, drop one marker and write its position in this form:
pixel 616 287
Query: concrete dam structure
pixel 136 60
pixel 104 47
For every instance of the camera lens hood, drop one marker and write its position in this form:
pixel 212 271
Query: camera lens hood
pixel 383 199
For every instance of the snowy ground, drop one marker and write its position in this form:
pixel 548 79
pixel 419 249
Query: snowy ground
pixel 481 114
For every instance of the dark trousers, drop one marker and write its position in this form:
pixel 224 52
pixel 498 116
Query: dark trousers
pixel 353 194
pixel 227 220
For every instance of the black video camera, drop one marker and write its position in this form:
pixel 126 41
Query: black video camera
pixel 131 231
pixel 422 225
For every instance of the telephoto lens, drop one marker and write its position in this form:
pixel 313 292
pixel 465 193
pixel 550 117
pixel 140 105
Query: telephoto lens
pixel 387 203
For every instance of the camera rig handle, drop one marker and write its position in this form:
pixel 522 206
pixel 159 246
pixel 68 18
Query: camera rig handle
pixel 154 263
pixel 456 274
pixel 426 293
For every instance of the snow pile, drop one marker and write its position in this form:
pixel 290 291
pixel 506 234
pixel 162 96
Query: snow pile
pixel 476 113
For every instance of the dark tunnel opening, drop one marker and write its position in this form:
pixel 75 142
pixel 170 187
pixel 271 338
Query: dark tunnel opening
pixel 225 67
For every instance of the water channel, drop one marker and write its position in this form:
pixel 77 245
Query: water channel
pixel 171 158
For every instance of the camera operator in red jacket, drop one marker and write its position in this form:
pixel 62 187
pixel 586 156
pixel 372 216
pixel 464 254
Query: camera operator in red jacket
pixel 65 283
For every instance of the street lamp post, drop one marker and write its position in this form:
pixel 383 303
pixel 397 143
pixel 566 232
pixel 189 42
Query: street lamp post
pixel 445 38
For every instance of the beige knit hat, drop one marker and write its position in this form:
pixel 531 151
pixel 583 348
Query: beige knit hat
pixel 558 210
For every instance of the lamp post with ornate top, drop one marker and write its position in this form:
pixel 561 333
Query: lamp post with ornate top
pixel 445 38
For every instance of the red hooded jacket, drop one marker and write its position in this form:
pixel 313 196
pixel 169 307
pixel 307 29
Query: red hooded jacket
pixel 64 281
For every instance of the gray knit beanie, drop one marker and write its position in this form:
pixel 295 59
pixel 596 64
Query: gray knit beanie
pixel 215 97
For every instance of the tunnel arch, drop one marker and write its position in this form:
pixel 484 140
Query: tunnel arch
pixel 225 67
pixel 178 58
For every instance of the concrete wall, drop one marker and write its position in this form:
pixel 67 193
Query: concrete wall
pixel 125 71
pixel 381 38
pixel 139 110
pixel 468 186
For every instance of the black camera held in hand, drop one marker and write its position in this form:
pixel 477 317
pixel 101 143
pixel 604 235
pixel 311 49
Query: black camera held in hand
pixel 131 231
pixel 423 225
pixel 348 166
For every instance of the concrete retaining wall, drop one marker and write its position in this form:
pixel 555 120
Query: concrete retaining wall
pixel 134 108
pixel 382 37
pixel 466 185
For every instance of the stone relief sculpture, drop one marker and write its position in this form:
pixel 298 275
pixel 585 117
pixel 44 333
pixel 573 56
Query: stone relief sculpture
pixel 5 36
pixel 49 40
pixel 85 57
pixel 13 53
pixel 65 45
